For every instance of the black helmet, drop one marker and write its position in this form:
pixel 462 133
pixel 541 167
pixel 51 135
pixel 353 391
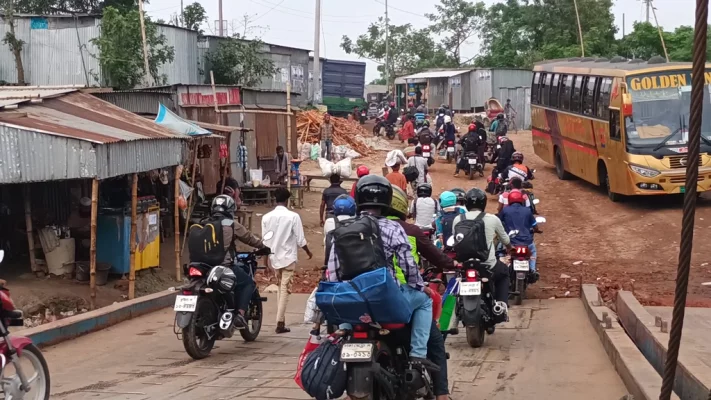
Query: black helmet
pixel 500 116
pixel 223 204
pixel 373 191
pixel 461 195
pixel 476 199
pixel 424 190
pixel 441 110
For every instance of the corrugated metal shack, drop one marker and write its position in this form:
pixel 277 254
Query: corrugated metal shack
pixel 443 87
pixel 486 83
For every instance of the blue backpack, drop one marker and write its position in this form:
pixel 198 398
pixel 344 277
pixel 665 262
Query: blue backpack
pixel 446 221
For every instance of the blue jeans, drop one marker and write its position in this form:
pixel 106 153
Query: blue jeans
pixel 534 254
pixel 421 322
pixel 326 146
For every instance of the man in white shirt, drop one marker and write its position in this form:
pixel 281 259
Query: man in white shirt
pixel 287 238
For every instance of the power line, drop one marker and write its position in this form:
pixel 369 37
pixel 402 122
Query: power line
pixel 268 11
pixel 401 10
pixel 311 17
pixel 324 15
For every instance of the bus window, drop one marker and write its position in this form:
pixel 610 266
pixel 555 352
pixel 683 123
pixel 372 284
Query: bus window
pixel 575 97
pixel 554 91
pixel 566 87
pixel 534 88
pixel 615 125
pixel 603 101
pixel 545 89
pixel 589 95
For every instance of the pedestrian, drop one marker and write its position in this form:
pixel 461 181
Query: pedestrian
pixel 419 162
pixel 361 171
pixel 396 178
pixel 288 236
pixel 510 113
pixel 325 135
pixel 282 162
pixel 329 196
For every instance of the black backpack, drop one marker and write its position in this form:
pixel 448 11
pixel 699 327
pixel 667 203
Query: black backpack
pixel 323 375
pixel 411 173
pixel 447 220
pixel 206 242
pixel 502 128
pixel 358 246
pixel 473 243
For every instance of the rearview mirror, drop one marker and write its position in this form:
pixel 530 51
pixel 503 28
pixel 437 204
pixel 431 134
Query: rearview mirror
pixel 268 235
pixel 2 255
pixel 536 201
pixel 540 220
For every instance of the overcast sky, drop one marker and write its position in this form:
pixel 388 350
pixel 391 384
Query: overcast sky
pixel 291 22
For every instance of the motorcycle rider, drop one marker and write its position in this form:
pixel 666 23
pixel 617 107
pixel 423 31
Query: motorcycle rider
pixel 361 171
pixel 461 198
pixel 469 143
pixel 476 204
pixel 516 185
pixel 503 159
pixel 450 132
pixel 422 247
pixel 440 118
pixel 392 115
pixel 223 208
pixel 373 196
pixel 424 208
pixel 517 169
pixel 520 218
pixel 421 113
pixel 445 220
pixel 499 126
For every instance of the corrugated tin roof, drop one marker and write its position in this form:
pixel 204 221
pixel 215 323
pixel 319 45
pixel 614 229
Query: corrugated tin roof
pixel 437 74
pixel 14 95
pixel 85 117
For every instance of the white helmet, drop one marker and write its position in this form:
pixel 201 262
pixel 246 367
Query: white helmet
pixel 447 119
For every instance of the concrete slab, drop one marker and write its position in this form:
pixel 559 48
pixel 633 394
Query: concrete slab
pixel 693 375
pixel 547 351
pixel 639 377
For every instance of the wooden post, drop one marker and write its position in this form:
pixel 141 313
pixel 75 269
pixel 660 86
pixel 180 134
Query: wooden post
pixel 288 136
pixel 28 226
pixel 227 162
pixel 192 196
pixel 132 240
pixel 176 221
pixel 92 248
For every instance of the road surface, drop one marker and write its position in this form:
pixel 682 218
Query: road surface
pixel 548 350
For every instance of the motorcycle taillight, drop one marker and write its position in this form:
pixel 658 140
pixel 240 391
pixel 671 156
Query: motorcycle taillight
pixel 521 251
pixel 472 276
pixel 451 143
pixel 194 272
pixel 187 292
pixel 360 331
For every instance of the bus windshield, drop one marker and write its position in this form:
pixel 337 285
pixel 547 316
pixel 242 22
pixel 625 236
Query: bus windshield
pixel 660 110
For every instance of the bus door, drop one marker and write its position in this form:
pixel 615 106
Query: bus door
pixel 612 152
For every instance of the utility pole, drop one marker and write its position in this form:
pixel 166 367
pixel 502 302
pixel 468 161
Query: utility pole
pixel 659 29
pixel 623 25
pixel 182 23
pixel 387 48
pixel 146 67
pixel 317 54
pixel 219 5
pixel 649 5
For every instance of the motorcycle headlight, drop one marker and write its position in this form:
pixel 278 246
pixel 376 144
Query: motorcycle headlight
pixel 645 172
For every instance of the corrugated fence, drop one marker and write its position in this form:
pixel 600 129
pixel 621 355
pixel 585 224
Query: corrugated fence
pixel 521 102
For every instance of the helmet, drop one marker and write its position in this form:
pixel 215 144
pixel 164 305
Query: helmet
pixel 472 127
pixel 441 110
pixel 500 116
pixel 221 278
pixel 362 171
pixel 392 104
pixel 461 195
pixel 515 196
pixel 344 205
pixel 443 106
pixel 398 204
pixel 517 156
pixel 503 139
pixel 410 104
pixel 476 199
pixel 223 204
pixel 447 119
pixel 373 191
pixel 426 122
pixel 424 190
pixel 447 199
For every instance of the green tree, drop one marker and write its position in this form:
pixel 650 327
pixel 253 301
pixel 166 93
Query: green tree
pixel 121 51
pixel 12 41
pixel 240 62
pixel 73 6
pixel 379 81
pixel 193 15
pixel 411 50
pixel 456 21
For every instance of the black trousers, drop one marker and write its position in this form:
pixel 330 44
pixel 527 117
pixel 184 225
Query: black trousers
pixel 438 355
pixel 501 282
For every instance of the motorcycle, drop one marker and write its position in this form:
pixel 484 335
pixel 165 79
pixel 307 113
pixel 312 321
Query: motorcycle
pixel 18 350
pixel 389 131
pixel 473 164
pixel 376 359
pixel 201 312
pixel 519 270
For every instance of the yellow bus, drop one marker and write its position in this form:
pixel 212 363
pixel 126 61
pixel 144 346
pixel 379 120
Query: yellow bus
pixel 619 124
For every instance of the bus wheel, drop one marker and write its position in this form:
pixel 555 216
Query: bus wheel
pixel 605 184
pixel 559 168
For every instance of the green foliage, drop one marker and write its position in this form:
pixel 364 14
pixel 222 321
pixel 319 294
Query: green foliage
pixel 456 21
pixel 239 62
pixel 73 6
pixel 643 42
pixel 193 15
pixel 379 81
pixel 121 51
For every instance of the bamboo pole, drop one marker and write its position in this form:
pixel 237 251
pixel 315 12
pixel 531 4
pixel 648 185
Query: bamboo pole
pixel 227 162
pixel 132 239
pixel 288 134
pixel 214 92
pixel 28 226
pixel 192 196
pixel 252 112
pixel 176 221
pixel 92 248
pixel 580 29
pixel 659 29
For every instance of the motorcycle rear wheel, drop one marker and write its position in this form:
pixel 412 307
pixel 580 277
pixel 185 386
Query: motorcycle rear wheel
pixel 195 339
pixel 254 319
pixel 475 336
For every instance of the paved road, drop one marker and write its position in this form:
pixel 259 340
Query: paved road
pixel 547 351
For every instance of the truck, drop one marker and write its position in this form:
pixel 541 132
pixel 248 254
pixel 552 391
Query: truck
pixel 342 85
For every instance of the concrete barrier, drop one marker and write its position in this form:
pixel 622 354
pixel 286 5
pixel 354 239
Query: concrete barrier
pixel 68 328
pixel 636 373
pixel 693 377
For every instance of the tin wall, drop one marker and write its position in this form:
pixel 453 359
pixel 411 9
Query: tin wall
pixel 480 88
pixel 122 158
pixel 184 68
pixel 521 102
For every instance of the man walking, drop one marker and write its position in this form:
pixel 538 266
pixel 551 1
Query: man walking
pixel 288 236
pixel 325 134
pixel 510 113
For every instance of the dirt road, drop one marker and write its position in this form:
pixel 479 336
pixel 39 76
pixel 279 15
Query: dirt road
pixel 548 350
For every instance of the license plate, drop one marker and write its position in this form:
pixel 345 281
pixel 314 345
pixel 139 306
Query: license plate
pixel 520 265
pixel 682 189
pixel 450 149
pixel 185 303
pixel 426 155
pixel 356 352
pixel 470 289
pixel 362 114
pixel 472 161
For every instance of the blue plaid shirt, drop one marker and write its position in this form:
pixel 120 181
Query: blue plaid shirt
pixel 395 243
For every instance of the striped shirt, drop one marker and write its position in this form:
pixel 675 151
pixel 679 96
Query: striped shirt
pixel 395 243
pixel 326 131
